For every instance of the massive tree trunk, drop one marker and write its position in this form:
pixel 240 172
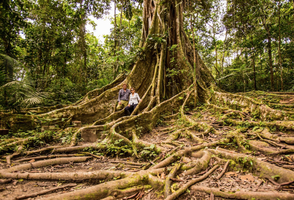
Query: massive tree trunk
pixel 160 73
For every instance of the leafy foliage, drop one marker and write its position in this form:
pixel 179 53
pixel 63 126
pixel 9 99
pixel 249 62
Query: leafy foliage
pixel 45 50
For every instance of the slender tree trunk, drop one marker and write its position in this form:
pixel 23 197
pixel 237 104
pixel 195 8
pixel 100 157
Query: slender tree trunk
pixel 215 50
pixel 254 73
pixel 8 52
pixel 82 43
pixel 270 60
pixel 115 41
pixel 194 62
pixel 121 16
pixel 269 46
pixel 279 48
pixel 244 82
pixel 6 81
pixel 223 58
pixel 267 28
pixel 119 39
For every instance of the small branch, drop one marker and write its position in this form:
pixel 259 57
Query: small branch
pixel 3 181
pixel 273 182
pixel 18 152
pixel 286 183
pixel 224 170
pixel 42 150
pixel 129 163
pixel 95 156
pixel 49 156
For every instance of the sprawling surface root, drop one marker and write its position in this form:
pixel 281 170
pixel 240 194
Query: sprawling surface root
pixel 244 195
pixel 181 151
pixel 184 151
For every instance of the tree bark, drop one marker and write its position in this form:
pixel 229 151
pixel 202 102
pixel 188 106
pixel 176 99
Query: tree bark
pixel 254 73
pixel 269 46
pixel 279 48
pixel 82 42
pixel 115 41
pixel 194 63
pixel 270 60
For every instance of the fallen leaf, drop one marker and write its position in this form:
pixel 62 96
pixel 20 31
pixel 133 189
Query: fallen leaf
pixel 228 174
pixel 31 161
pixel 14 182
pixel 162 176
pixel 247 177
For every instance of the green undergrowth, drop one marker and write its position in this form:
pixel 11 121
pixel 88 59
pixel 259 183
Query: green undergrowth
pixel 31 139
pixel 118 148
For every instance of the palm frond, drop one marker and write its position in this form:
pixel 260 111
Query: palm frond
pixel 24 94
pixel 21 85
pixel 27 102
pixel 8 63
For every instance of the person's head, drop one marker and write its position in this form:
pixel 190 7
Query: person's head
pixel 132 90
pixel 124 86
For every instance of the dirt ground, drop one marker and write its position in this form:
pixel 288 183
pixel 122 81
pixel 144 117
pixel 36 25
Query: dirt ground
pixel 235 179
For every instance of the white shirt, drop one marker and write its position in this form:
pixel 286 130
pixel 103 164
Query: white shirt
pixel 134 99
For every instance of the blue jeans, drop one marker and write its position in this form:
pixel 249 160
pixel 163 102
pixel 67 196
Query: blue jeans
pixel 130 109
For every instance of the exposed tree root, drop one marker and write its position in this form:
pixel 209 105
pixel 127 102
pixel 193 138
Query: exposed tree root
pixel 241 102
pixel 111 188
pixel 46 191
pixel 224 170
pixel 18 152
pixel 263 169
pixel 3 181
pixel 244 195
pixel 190 183
pixel 282 125
pixel 198 165
pixel 190 159
pixel 168 181
pixel 45 163
pixel 68 176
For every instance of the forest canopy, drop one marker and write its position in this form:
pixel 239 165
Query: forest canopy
pixel 49 58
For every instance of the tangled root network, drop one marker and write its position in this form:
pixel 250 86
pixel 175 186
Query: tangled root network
pixel 235 146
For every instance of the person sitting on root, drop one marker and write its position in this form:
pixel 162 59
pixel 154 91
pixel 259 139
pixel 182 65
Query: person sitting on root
pixel 133 102
pixel 123 97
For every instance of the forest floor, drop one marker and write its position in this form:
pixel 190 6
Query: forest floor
pixel 172 135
